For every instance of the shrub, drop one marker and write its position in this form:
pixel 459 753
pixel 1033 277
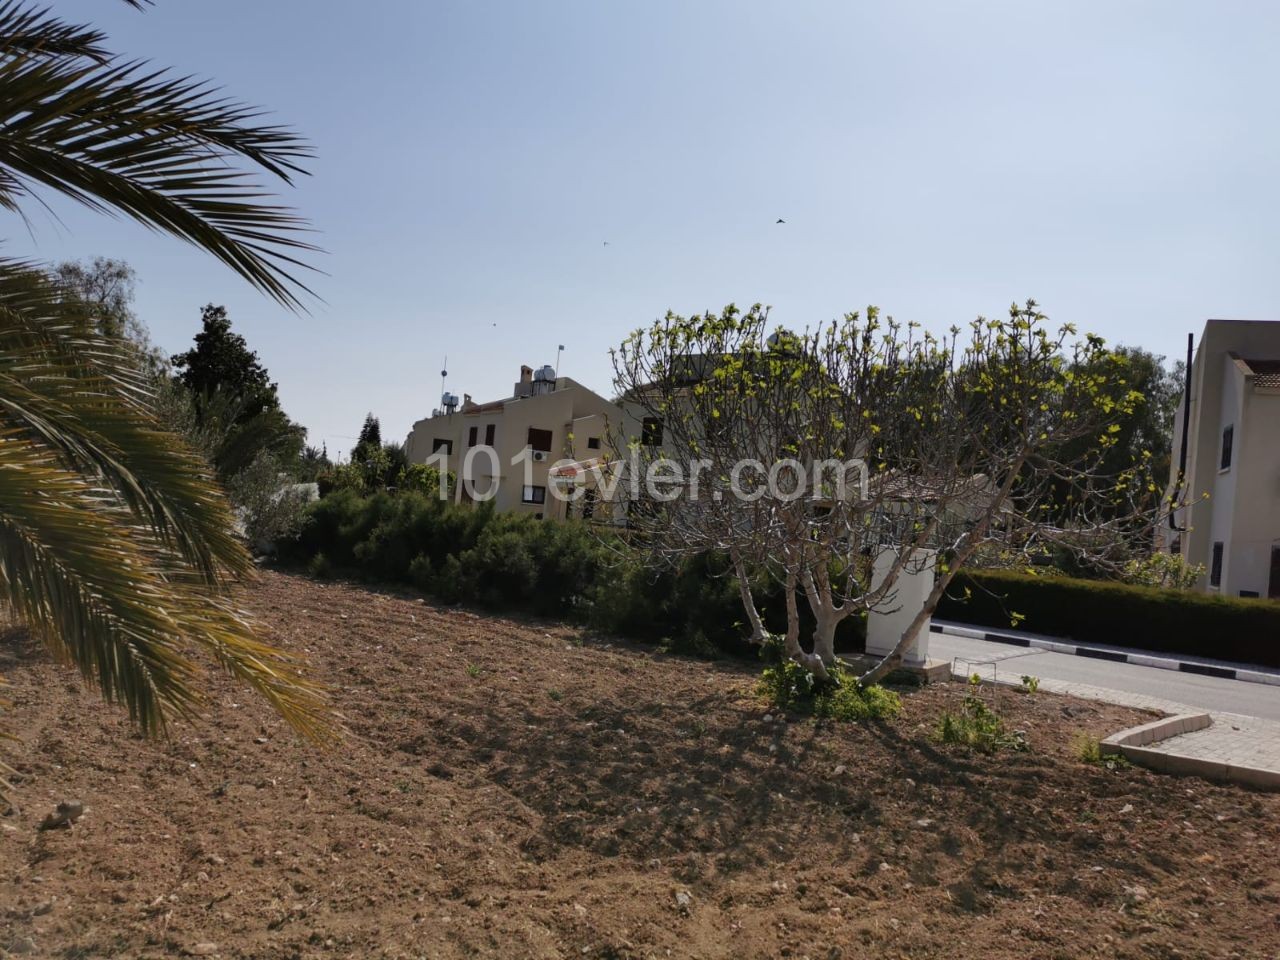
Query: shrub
pixel 266 503
pixel 1160 620
pixel 691 643
pixel 1089 749
pixel 852 701
pixel 320 567
pixel 419 478
pixel 515 562
pixel 1163 570
pixel 977 726
pixel 789 686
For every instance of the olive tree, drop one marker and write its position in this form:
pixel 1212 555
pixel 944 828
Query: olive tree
pixel 840 459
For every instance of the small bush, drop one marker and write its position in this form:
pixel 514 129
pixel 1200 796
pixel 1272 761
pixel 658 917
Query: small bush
pixel 320 567
pixel 691 643
pixel 1089 749
pixel 265 503
pixel 977 726
pixel 1030 684
pixel 852 701
pixel 420 572
pixel 789 686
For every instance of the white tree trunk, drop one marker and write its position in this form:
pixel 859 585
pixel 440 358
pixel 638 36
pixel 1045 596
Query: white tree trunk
pixel 759 635
pixel 824 637
pixel 827 614
pixel 810 661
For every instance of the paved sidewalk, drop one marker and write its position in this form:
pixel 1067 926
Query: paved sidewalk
pixel 1232 740
pixel 1000 672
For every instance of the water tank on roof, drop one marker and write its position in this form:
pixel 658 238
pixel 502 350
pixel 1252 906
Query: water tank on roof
pixel 545 372
pixel 450 402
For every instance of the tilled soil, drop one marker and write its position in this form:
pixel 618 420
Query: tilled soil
pixel 519 789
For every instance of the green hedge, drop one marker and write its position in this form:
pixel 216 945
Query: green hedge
pixel 515 562
pixel 1088 611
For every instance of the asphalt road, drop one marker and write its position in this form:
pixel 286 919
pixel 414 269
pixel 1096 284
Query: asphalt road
pixel 1207 693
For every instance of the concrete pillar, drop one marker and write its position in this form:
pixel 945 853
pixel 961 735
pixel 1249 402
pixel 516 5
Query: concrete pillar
pixel 911 590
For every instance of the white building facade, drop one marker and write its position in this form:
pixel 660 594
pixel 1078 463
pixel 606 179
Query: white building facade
pixel 1232 451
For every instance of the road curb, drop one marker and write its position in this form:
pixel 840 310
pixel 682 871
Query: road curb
pixel 1157 730
pixel 1134 745
pixel 1106 653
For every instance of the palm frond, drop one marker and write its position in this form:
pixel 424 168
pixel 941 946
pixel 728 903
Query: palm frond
pixel 84 395
pixel 127 138
pixel 35 32
pixel 115 542
pixel 102 593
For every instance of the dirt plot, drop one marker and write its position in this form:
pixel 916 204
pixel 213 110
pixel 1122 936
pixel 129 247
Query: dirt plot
pixel 518 789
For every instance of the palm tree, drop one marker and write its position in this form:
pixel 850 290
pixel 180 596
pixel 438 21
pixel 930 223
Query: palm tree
pixel 115 542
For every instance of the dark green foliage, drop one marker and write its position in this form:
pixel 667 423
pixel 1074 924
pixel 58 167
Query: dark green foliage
pixel 511 562
pixel 457 554
pixel 688 609
pixel 370 433
pixel 1090 611
pixel 236 407
pixel 370 440
pixel 222 360
pixel 698 601
pixel 313 462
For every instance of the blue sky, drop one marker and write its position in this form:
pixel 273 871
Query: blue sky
pixel 1117 161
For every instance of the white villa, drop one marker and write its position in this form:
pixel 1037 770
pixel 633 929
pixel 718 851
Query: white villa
pixel 1232 455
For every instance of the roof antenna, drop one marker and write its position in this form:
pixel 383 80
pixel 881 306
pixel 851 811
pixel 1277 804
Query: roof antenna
pixel 448 402
pixel 558 352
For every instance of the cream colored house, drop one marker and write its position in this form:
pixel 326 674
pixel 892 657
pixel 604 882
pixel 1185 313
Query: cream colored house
pixel 509 446
pixel 1233 456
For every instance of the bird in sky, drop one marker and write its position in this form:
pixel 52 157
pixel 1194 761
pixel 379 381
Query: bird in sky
pixel 780 220
pixel 606 243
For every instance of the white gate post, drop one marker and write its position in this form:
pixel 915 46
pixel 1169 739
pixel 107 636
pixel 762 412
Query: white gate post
pixel 910 592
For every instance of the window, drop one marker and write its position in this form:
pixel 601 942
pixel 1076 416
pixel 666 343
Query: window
pixel 533 495
pixel 651 432
pixel 1215 569
pixel 441 443
pixel 593 443
pixel 472 435
pixel 540 440
pixel 1228 436
pixel 488 434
